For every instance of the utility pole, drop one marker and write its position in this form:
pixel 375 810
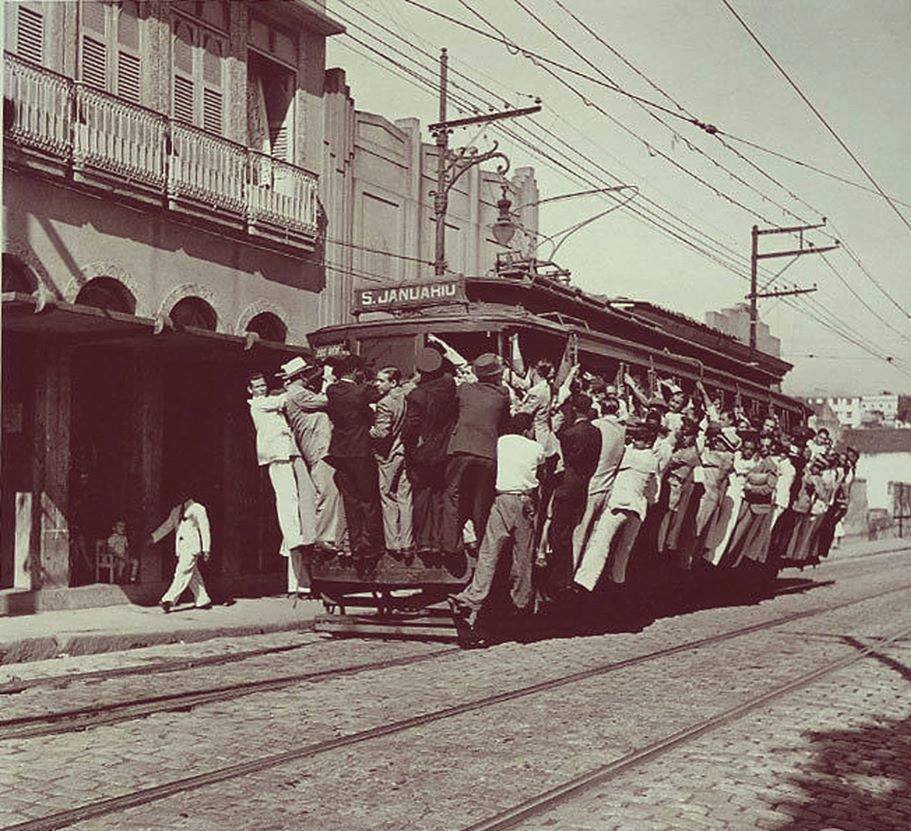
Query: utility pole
pixel 450 166
pixel 755 295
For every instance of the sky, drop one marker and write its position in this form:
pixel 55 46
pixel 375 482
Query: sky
pixel 850 58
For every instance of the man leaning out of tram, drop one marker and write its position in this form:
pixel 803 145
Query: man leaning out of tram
pixel 512 520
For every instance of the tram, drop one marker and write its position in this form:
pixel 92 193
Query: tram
pixel 534 302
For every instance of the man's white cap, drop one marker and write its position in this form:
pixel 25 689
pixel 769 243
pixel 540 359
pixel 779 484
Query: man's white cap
pixel 293 367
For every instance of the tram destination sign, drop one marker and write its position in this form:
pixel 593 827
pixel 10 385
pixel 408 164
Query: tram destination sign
pixel 410 295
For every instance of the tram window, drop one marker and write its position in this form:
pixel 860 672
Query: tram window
pixel 395 351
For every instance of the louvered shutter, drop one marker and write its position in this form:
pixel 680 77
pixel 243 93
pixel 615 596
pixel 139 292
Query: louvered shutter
pixel 129 64
pixel 281 126
pixel 30 35
pixel 184 85
pixel 94 45
pixel 211 77
pixel 94 62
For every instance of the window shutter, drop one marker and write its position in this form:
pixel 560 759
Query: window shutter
pixel 128 76
pixel 129 64
pixel 211 78
pixel 183 98
pixel 30 35
pixel 94 62
pixel 184 86
pixel 211 111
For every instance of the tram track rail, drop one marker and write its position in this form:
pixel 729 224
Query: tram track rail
pixel 19 685
pixel 546 801
pixel 107 713
pixel 143 796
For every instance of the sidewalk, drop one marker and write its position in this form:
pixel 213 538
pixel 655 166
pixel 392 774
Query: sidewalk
pixel 44 635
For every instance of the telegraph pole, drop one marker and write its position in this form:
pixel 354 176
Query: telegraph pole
pixel 755 295
pixel 450 166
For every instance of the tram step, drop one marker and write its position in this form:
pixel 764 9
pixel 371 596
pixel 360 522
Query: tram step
pixel 425 627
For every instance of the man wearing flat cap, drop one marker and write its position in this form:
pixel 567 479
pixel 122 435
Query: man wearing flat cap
pixel 471 467
pixel 430 414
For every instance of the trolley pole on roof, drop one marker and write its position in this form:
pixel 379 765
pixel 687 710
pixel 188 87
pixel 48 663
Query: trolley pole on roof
pixel 452 164
pixel 755 294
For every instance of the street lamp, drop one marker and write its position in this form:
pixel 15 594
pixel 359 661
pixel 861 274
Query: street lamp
pixel 504 229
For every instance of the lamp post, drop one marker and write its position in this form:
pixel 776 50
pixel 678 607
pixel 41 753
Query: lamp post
pixel 452 164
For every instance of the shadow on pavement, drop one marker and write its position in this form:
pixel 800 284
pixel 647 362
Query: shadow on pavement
pixel 860 778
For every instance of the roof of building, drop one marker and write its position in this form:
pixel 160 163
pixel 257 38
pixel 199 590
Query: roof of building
pixel 879 440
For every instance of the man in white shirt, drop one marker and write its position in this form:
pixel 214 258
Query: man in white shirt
pixel 276 448
pixel 512 519
pixel 190 522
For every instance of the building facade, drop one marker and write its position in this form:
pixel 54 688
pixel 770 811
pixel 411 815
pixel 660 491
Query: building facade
pixel 735 322
pixel 187 193
pixel 881 410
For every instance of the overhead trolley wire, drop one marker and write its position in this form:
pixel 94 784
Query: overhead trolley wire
pixel 428 85
pixel 818 115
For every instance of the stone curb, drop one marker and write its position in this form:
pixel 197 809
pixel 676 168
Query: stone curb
pixel 45 648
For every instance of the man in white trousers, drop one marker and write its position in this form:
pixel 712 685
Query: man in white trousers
pixel 190 522
pixel 291 484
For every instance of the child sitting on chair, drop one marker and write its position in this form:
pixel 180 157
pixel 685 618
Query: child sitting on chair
pixel 126 566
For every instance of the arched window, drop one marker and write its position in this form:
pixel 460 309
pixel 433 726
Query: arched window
pixel 194 311
pixel 269 327
pixel 108 294
pixel 17 276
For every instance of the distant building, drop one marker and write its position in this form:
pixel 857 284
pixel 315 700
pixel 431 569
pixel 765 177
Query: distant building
pixel 862 410
pixel 735 322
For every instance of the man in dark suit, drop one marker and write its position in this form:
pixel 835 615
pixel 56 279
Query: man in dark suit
pixel 580 443
pixel 430 414
pixel 351 454
pixel 471 468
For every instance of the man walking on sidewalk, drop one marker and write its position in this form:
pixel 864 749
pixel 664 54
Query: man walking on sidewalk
pixel 190 522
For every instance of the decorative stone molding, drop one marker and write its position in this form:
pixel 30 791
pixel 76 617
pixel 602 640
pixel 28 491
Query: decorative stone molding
pixel 113 271
pixel 22 252
pixel 254 309
pixel 178 293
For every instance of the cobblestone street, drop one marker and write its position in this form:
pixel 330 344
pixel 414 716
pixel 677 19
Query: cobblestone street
pixel 497 727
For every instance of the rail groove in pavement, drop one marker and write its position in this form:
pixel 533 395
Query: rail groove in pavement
pixel 143 796
pixel 565 791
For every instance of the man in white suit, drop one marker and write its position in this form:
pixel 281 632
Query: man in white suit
pixel 190 522
pixel 277 450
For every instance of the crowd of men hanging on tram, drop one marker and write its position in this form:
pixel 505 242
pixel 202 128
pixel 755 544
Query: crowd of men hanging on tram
pixel 569 474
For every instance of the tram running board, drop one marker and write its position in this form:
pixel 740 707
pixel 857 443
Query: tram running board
pixel 436 627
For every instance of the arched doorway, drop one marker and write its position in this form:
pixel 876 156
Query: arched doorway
pixel 195 312
pixel 268 326
pixel 17 276
pixel 108 294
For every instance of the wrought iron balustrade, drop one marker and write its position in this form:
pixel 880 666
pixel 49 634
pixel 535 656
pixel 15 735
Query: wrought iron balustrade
pixel 207 168
pixel 119 137
pixel 37 107
pixel 281 194
pixel 100 136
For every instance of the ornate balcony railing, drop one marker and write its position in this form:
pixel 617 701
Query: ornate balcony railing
pixel 119 137
pixel 207 169
pixel 102 136
pixel 281 194
pixel 37 107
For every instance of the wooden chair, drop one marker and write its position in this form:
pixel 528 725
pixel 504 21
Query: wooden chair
pixel 104 560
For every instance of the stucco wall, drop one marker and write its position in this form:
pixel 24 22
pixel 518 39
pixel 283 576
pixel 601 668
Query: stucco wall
pixel 879 469
pixel 69 237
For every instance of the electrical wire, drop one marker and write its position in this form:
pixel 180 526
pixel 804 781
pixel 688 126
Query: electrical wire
pixel 833 324
pixel 818 114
